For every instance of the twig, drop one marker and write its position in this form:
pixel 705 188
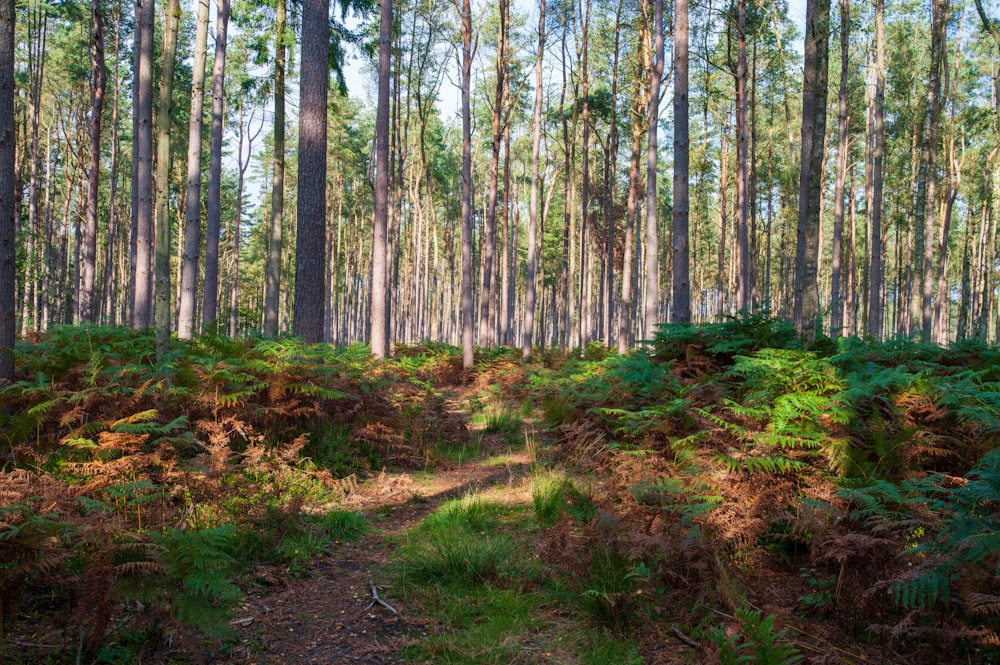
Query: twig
pixel 684 638
pixel 376 599
pixel 22 643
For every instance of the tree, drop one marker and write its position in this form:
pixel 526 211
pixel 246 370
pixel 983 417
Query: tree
pixel 163 309
pixel 652 259
pixel 487 297
pixel 99 80
pixel 814 84
pixel 192 221
pixel 210 308
pixel 681 291
pixel 273 269
pixel 142 185
pixel 536 143
pixel 7 189
pixel 380 264
pixel 836 306
pixel 467 311
pixel 743 167
pixel 310 248
pixel 876 269
pixel 929 158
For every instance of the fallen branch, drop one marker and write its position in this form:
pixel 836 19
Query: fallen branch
pixel 684 638
pixel 376 599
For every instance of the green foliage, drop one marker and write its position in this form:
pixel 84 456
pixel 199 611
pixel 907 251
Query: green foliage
pixel 195 582
pixel 726 340
pixel 963 553
pixel 547 492
pixel 674 495
pixel 607 589
pixel 759 644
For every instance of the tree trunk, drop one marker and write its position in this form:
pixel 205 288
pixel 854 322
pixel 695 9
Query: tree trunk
pixel 935 104
pixel 814 85
pixel 745 285
pixel 99 81
pixel 487 296
pixel 681 287
pixel 310 236
pixel 652 259
pixel 876 270
pixel 836 306
pixel 143 184
pixel 8 186
pixel 210 304
pixel 720 274
pixel 467 312
pixel 272 277
pixel 163 181
pixel 379 297
pixel 192 209
pixel 610 167
pixel 536 143
pixel 583 308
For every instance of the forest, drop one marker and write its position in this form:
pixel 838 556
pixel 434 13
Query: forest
pixel 446 331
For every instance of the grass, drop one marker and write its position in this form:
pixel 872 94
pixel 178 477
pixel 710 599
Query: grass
pixel 473 567
pixel 547 490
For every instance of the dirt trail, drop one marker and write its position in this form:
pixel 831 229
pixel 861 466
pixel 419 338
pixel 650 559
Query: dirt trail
pixel 326 618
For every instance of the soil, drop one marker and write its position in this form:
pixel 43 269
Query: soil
pixel 328 615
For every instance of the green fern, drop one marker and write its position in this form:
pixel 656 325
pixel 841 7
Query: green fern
pixel 196 584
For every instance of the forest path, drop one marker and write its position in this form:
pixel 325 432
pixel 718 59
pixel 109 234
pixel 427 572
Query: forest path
pixel 326 617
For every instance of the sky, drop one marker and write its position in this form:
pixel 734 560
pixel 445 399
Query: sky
pixel 361 85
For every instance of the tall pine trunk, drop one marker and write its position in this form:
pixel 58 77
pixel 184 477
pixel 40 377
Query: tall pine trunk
pixel 99 81
pixel 836 306
pixel 8 186
pixel 814 85
pixel 876 270
pixel 163 308
pixel 536 143
pixel 192 209
pixel 681 278
pixel 272 277
pixel 467 311
pixel 652 259
pixel 380 247
pixel 143 184
pixel 310 245
pixel 210 306
pixel 745 282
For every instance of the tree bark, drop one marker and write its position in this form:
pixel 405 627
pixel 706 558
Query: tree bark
pixel 192 208
pixel 745 284
pixel 814 85
pixel 876 270
pixel 163 309
pixel 99 81
pixel 536 143
pixel 935 103
pixel 467 312
pixel 836 306
pixel 681 278
pixel 379 297
pixel 8 186
pixel 143 184
pixel 310 244
pixel 272 278
pixel 652 259
pixel 210 305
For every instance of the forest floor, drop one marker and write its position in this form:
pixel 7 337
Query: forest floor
pixel 722 496
pixel 330 615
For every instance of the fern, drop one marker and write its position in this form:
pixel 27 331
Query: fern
pixel 196 585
